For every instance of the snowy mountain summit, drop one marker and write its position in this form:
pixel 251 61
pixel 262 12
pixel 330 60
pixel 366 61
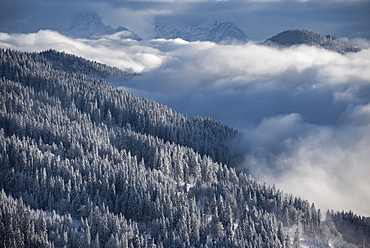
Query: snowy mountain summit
pixel 218 32
pixel 90 26
pixel 297 37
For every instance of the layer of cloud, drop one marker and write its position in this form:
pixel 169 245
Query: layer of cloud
pixel 304 111
pixel 329 166
pixel 216 67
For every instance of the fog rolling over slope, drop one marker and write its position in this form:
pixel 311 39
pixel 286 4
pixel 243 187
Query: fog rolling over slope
pixel 303 109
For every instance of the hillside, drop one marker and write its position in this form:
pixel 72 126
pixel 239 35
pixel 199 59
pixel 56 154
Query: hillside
pixel 84 164
pixel 298 37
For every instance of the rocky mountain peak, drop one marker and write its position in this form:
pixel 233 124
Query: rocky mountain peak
pixel 90 26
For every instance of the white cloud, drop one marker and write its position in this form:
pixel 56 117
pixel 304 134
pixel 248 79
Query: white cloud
pixel 207 66
pixel 125 54
pixel 326 164
pixel 329 167
pixel 361 42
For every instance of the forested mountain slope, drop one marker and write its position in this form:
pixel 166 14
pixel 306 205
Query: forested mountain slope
pixel 58 74
pixel 84 164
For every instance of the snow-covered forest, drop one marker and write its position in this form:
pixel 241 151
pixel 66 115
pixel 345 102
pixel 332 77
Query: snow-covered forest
pixel 84 164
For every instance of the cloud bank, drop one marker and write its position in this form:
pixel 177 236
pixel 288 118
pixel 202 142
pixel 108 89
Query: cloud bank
pixel 304 111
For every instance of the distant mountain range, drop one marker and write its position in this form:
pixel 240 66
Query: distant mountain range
pixel 218 32
pixel 298 37
pixel 91 26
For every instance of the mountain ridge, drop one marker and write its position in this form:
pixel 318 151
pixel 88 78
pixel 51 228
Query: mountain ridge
pixel 293 37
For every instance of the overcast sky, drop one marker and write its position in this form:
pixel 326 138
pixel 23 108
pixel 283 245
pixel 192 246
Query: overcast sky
pixel 260 19
pixel 304 111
